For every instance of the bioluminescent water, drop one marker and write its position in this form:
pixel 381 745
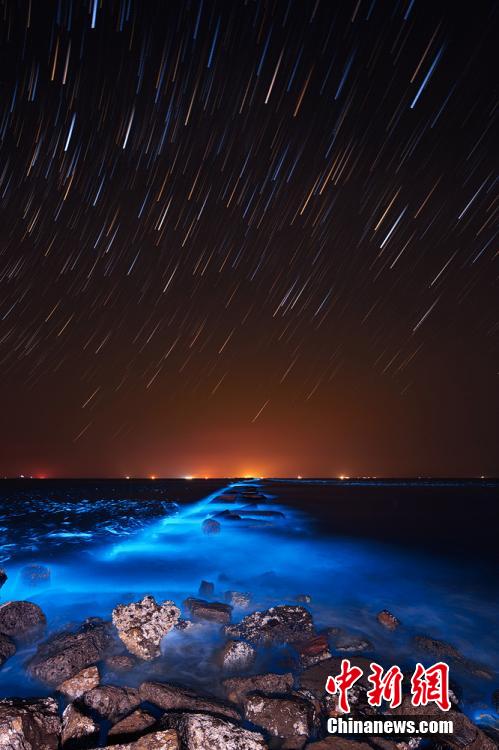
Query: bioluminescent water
pixel 104 550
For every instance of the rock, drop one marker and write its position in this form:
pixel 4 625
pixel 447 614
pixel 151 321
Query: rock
pixel 337 743
pixel 111 702
pixel 21 620
pixel 210 526
pixel 183 624
pixel 236 688
pixel 3 577
pixel 439 648
pixel 349 643
pixel 303 598
pixel 85 680
pixel 66 654
pixel 30 724
pixel 120 662
pixel 313 684
pixel 207 589
pixel 7 648
pixel 292 743
pixel 199 731
pixel 237 655
pixel 76 726
pixel 142 625
pixel 132 725
pixel 175 698
pixel 312 650
pixel 212 611
pixel 164 740
pixel 238 599
pixel 289 716
pixel 35 575
pixel 282 624
pixel 388 620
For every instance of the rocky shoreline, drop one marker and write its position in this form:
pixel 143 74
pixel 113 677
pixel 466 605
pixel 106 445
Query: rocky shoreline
pixel 281 710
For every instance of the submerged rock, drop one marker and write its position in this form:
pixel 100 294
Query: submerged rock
pixel 21 620
pixel 303 598
pixel 134 724
pixel 31 724
pixel 163 740
pixel 35 575
pixel 142 625
pixel 282 624
pixel 120 662
pixel 77 726
pixel 85 680
pixel 236 688
pixel 312 650
pixel 289 716
pixel 239 599
pixel 66 654
pixel 111 702
pixel 348 642
pixel 7 648
pixel 175 698
pixel 210 526
pixel 236 656
pixel 199 731
pixel 212 611
pixel 207 589
pixel 3 577
pixel 387 619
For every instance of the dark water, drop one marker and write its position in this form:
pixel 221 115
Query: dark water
pixel 348 546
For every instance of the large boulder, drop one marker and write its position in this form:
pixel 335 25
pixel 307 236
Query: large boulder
pixel 66 654
pixel 236 688
pixel 164 740
pixel 211 611
pixel 77 727
pixel 7 648
pixel 313 685
pixel 31 724
pixel 198 731
pixel 21 620
pixel 85 680
pixel 142 625
pixel 282 624
pixel 175 698
pixel 286 717
pixel 111 702
pixel 132 725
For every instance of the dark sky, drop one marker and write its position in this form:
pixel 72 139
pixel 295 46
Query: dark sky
pixel 248 237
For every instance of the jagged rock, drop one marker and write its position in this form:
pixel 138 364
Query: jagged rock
pixel 163 740
pixel 212 611
pixel 206 589
pixel 7 648
pixel 172 697
pixel 199 731
pixel 35 575
pixel 237 655
pixel 66 654
pixel 134 724
pixel 236 688
pixel 238 599
pixel 388 620
pixel 210 526
pixel 312 650
pixel 76 726
pixel 111 702
pixel 3 577
pixel 120 662
pixel 142 625
pixel 337 743
pixel 282 624
pixel 85 680
pixel 289 716
pixel 31 724
pixel 21 620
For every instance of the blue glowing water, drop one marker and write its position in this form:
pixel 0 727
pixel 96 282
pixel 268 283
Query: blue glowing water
pixel 105 550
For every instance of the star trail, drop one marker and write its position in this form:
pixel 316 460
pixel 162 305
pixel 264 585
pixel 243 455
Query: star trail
pixel 248 237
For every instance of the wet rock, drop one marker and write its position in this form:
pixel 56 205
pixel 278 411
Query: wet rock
pixel 349 643
pixel 210 526
pixel 66 654
pixel 388 620
pixel 163 740
pixel 236 656
pixel 111 702
pixel 7 648
pixel 134 724
pixel 292 743
pixel 313 685
pixel 21 620
pixel 312 650
pixel 207 589
pixel 120 662
pixel 212 611
pixel 198 731
pixel 236 688
pixel 31 724
pixel 142 625
pixel 76 726
pixel 183 624
pixel 238 599
pixel 337 743
pixel 175 698
pixel 282 624
pixel 288 716
pixel 35 575
pixel 85 680
pixel 3 577
pixel 444 650
pixel 303 598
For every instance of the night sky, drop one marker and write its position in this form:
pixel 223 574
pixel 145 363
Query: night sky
pixel 248 238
